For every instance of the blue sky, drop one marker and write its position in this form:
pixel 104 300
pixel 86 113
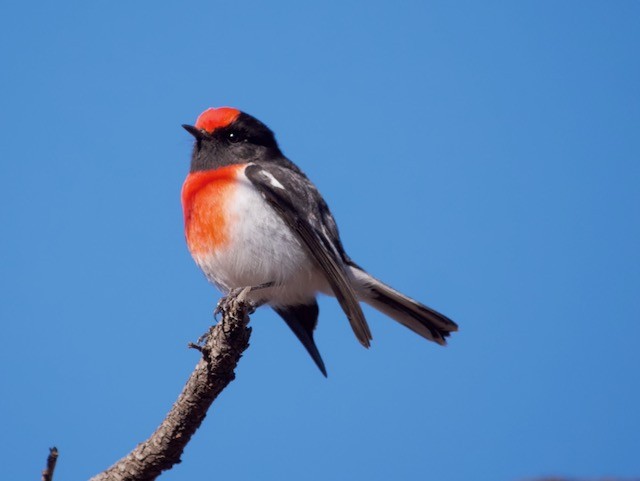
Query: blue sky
pixel 482 157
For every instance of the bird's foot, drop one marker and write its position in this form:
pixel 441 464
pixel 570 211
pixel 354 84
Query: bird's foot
pixel 224 304
pixel 239 294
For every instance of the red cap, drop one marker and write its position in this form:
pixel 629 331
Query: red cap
pixel 212 119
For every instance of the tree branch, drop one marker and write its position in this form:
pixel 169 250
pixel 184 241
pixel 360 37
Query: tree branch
pixel 221 350
pixel 52 459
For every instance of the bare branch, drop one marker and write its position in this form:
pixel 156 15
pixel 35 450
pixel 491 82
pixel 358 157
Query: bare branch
pixel 52 459
pixel 221 351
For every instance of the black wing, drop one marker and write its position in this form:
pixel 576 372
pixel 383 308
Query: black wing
pixel 287 191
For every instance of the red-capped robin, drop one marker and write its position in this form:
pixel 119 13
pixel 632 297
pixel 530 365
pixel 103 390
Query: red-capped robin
pixel 254 220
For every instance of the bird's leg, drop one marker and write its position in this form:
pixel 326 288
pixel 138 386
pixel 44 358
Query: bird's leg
pixel 262 286
pixel 235 295
pixel 240 294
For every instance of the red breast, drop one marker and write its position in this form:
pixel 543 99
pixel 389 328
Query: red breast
pixel 206 197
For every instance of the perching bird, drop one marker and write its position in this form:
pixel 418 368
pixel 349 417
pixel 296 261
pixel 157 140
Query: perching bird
pixel 253 219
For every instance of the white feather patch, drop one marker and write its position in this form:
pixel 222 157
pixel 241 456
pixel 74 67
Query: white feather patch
pixel 272 180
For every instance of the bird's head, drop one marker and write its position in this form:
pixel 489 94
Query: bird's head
pixel 227 136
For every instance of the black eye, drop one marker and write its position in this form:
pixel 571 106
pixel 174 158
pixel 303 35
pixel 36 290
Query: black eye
pixel 234 136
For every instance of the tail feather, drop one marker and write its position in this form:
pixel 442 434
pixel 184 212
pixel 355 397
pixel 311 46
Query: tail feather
pixel 421 319
pixel 302 320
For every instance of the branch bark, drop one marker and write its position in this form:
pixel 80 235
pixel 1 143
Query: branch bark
pixel 221 350
pixel 52 459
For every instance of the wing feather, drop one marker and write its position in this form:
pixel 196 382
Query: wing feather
pixel 272 187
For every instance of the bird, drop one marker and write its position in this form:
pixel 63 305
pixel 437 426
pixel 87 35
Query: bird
pixel 253 221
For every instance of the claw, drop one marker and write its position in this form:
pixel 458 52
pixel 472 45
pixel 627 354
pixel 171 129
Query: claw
pixel 240 294
pixel 221 306
pixel 202 339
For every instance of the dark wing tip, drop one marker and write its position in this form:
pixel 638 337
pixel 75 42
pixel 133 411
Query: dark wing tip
pixel 361 330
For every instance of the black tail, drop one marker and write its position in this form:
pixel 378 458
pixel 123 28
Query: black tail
pixel 410 313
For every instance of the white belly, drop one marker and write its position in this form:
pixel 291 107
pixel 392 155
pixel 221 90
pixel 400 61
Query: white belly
pixel 261 249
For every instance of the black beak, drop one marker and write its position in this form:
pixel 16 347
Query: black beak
pixel 197 133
